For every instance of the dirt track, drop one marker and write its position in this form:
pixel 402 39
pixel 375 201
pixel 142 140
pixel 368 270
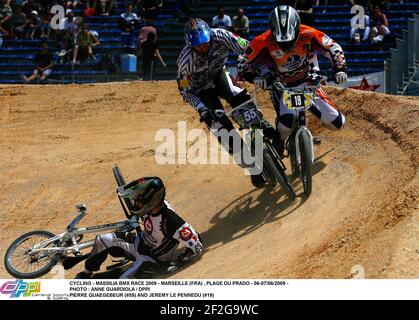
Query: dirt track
pixel 58 145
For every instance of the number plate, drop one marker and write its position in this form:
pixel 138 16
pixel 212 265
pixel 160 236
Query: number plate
pixel 297 100
pixel 246 116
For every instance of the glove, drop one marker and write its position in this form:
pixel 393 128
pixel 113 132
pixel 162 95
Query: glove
pixel 341 77
pixel 128 226
pixel 260 83
pixel 205 115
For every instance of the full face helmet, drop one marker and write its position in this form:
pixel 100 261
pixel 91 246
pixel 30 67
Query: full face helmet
pixel 197 32
pixel 284 22
pixel 145 194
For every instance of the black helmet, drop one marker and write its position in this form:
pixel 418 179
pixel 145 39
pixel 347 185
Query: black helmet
pixel 284 22
pixel 149 191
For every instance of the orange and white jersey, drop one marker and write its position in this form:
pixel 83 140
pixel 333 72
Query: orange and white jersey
pixel 295 66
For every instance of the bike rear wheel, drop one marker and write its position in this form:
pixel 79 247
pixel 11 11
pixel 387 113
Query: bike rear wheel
pixel 306 163
pixel 279 174
pixel 21 264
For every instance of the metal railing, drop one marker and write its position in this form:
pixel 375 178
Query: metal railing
pixel 402 68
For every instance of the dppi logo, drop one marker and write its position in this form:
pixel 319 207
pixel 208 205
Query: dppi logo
pixel 18 287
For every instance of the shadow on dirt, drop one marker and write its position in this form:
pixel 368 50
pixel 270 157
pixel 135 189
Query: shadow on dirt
pixel 252 210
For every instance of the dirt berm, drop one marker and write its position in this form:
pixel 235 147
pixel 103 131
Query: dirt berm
pixel 58 145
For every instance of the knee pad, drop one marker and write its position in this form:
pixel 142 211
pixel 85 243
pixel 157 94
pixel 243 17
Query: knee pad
pixel 336 124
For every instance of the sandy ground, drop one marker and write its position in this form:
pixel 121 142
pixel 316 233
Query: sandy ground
pixel 58 145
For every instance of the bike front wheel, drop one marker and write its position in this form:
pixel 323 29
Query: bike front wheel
pixel 279 174
pixel 22 264
pixel 295 169
pixel 306 163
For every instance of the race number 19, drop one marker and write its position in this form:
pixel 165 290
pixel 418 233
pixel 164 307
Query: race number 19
pixel 59 15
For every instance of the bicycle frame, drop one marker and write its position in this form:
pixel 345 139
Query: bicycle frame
pixel 72 233
pixel 299 119
pixel 254 126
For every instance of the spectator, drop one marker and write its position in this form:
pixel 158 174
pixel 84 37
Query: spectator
pixel 44 64
pixel 241 24
pixel 69 24
pixel 149 53
pixel 83 50
pixel 144 31
pixel 32 24
pixel 16 22
pixel 355 32
pixel 148 8
pixel 105 7
pixel 28 7
pixel 74 4
pixel 305 10
pixel 69 31
pixel 43 30
pixel 380 25
pixel 90 8
pixel 221 20
pixel 5 12
pixel 128 22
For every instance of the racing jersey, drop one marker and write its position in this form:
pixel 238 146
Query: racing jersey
pixel 294 67
pixel 197 70
pixel 163 232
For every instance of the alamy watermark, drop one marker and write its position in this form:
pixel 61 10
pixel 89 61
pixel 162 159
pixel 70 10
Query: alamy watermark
pixel 358 20
pixel 57 21
pixel 197 147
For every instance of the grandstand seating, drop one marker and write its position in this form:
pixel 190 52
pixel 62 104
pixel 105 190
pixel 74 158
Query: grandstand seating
pixel 16 56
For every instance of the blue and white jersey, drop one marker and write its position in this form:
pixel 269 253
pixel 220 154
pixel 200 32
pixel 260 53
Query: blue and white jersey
pixel 196 71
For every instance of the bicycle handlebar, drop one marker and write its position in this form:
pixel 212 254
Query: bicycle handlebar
pixel 279 85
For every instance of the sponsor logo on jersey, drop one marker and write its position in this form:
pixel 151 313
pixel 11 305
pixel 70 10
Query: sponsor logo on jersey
pixel 148 225
pixel 184 84
pixel 292 62
pixel 242 42
pixel 186 234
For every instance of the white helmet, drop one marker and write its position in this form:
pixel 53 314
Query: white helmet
pixel 284 22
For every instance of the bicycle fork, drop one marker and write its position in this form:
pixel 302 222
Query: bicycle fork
pixel 302 127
